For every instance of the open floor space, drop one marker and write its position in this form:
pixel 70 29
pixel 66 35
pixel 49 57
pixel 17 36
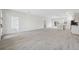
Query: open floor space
pixel 42 39
pixel 39 29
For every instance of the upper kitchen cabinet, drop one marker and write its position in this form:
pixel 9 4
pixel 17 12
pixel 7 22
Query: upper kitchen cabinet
pixel 76 17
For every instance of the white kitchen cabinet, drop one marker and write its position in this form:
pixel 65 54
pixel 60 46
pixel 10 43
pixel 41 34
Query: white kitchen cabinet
pixel 75 29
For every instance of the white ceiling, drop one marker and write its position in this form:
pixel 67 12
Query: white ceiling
pixel 48 12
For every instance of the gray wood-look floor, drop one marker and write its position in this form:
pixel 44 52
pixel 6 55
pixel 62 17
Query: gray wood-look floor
pixel 43 39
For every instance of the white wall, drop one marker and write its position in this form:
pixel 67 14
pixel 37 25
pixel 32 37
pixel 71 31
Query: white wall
pixel 30 22
pixel 27 22
pixel 0 23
